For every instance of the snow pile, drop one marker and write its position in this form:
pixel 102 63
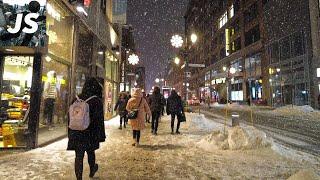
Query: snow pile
pixel 302 109
pixel 303 112
pixel 305 174
pixel 236 138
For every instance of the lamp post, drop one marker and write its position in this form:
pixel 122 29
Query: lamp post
pixel 177 42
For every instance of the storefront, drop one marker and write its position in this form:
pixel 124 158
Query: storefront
pixel 35 85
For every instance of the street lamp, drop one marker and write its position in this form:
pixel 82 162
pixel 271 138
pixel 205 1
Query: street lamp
pixel 177 61
pixel 157 80
pixel 194 38
pixel 133 59
pixel 176 41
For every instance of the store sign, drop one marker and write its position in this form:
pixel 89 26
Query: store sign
pixel 23 23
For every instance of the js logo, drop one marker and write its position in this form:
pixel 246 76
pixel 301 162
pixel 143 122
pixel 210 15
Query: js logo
pixel 27 22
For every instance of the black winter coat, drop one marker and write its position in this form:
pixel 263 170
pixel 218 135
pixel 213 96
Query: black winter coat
pixel 174 104
pixel 89 139
pixel 121 106
pixel 157 102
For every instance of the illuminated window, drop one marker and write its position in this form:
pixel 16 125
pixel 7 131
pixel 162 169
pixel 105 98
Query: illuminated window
pixel 231 12
pixel 223 19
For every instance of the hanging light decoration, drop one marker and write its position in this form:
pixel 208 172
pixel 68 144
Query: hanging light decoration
pixel 133 59
pixel 176 41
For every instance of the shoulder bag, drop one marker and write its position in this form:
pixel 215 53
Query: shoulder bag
pixel 133 114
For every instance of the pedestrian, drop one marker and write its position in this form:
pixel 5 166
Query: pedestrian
pixel 157 102
pixel 50 94
pixel 137 102
pixel 121 108
pixel 175 108
pixel 88 140
pixel 208 101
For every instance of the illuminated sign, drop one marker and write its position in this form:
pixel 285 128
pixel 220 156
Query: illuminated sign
pixel 318 72
pixel 23 23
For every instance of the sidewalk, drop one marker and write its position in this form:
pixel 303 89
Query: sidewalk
pixel 164 156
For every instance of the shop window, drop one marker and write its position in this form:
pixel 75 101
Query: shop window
pixel 223 19
pixel 108 100
pixel 252 35
pixel 253 65
pixel 54 101
pixel 60 30
pixel 15 100
pixel 237 64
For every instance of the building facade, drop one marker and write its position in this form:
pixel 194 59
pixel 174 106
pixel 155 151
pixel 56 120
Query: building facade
pixel 37 82
pixel 254 50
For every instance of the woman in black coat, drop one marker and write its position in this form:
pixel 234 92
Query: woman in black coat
pixel 175 108
pixel 88 140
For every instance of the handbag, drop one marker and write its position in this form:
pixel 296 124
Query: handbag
pixel 133 114
pixel 181 117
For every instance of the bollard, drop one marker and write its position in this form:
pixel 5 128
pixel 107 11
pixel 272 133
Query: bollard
pixel 235 117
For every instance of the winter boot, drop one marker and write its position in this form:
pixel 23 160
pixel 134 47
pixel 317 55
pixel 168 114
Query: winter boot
pixel 93 170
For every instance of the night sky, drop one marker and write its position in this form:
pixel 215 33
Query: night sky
pixel 155 21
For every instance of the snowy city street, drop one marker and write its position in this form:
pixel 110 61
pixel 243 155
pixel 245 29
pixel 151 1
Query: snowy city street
pixel 198 153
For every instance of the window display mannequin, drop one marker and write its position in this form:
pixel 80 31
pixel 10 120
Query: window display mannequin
pixel 50 95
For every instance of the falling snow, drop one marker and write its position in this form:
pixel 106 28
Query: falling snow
pixel 154 23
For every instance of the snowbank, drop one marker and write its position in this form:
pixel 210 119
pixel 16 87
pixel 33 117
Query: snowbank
pixel 305 174
pixel 236 138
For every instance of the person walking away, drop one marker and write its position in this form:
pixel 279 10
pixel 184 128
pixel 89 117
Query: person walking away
pixel 174 107
pixel 50 95
pixel 156 104
pixel 145 96
pixel 138 102
pixel 121 108
pixel 208 101
pixel 88 140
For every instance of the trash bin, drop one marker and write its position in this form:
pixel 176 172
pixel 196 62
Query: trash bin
pixel 235 117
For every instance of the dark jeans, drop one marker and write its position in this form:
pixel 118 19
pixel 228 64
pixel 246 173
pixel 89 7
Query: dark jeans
pixel 136 135
pixel 123 118
pixel 173 117
pixel 78 164
pixel 155 121
pixel 49 110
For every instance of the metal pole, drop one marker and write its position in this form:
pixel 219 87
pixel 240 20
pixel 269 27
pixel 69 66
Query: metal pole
pixel 185 77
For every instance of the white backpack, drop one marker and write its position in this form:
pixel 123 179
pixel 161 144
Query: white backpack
pixel 79 114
